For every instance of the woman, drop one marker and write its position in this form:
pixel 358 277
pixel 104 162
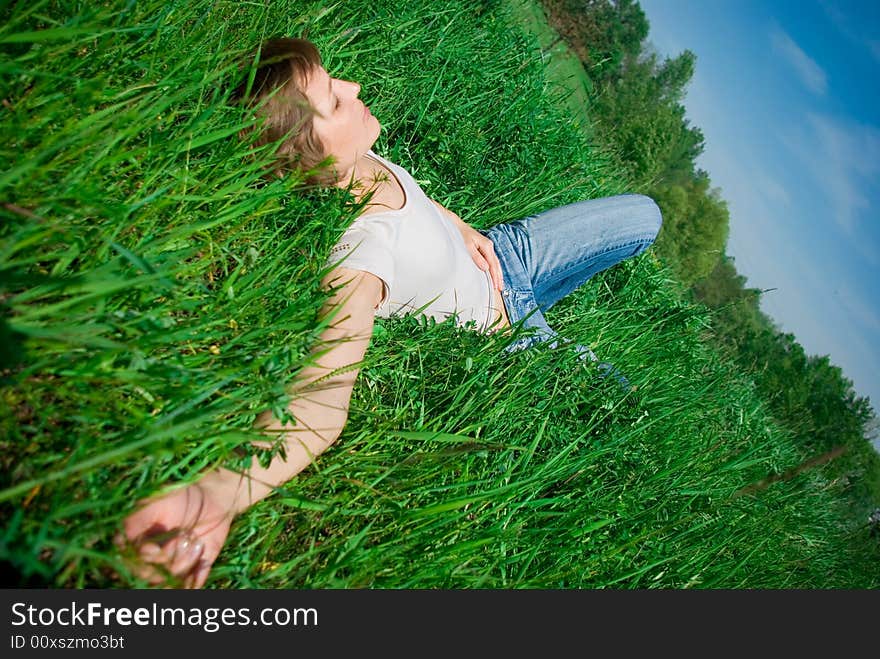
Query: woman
pixel 404 253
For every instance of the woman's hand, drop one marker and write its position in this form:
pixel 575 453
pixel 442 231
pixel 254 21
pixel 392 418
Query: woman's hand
pixel 483 253
pixel 174 539
pixel 481 248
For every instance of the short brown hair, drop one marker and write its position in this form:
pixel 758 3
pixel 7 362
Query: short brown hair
pixel 277 95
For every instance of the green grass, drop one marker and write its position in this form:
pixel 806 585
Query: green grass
pixel 161 296
pixel 564 74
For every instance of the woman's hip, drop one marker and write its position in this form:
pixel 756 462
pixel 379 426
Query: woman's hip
pixel 552 253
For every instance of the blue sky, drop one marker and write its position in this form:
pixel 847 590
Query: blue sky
pixel 787 95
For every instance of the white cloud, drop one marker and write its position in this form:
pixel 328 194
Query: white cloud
pixel 771 190
pixel 810 73
pixel 837 155
pixel 816 302
pixel 863 313
pixel 844 26
pixel 765 239
pixel 842 158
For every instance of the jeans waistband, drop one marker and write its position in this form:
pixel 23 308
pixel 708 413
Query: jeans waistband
pixel 518 297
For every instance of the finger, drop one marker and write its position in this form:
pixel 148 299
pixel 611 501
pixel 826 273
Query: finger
pixel 158 559
pixel 137 558
pixel 166 566
pixel 186 555
pixel 151 553
pixel 159 564
pixel 494 266
pixel 120 541
pixel 199 574
pixel 149 565
pixel 152 575
pixel 497 274
pixel 480 260
pixel 200 571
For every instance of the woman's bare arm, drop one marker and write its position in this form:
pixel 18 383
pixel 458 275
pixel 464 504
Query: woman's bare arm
pixel 320 394
pixel 180 534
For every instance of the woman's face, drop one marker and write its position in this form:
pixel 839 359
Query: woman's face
pixel 343 123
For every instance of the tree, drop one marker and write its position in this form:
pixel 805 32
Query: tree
pixel 602 33
pixel 641 114
pixel 695 227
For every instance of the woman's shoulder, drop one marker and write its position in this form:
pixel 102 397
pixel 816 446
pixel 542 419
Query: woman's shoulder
pixel 386 190
pixel 375 156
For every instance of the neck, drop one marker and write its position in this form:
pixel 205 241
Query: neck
pixel 361 170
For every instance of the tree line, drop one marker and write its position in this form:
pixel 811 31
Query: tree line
pixel 638 114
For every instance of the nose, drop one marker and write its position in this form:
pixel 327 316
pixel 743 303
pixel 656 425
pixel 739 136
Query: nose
pixel 355 87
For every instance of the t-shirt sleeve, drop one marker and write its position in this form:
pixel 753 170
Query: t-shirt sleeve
pixel 367 249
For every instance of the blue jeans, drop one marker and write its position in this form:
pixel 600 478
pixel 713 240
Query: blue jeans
pixel 545 257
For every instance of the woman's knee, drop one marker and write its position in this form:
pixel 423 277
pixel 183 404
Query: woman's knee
pixel 633 214
pixel 646 213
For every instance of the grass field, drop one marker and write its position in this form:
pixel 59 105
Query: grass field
pixel 158 295
pixel 564 75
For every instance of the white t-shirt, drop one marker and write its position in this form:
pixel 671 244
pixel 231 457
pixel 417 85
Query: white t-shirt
pixel 420 256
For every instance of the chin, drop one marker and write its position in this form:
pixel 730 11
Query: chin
pixel 378 131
